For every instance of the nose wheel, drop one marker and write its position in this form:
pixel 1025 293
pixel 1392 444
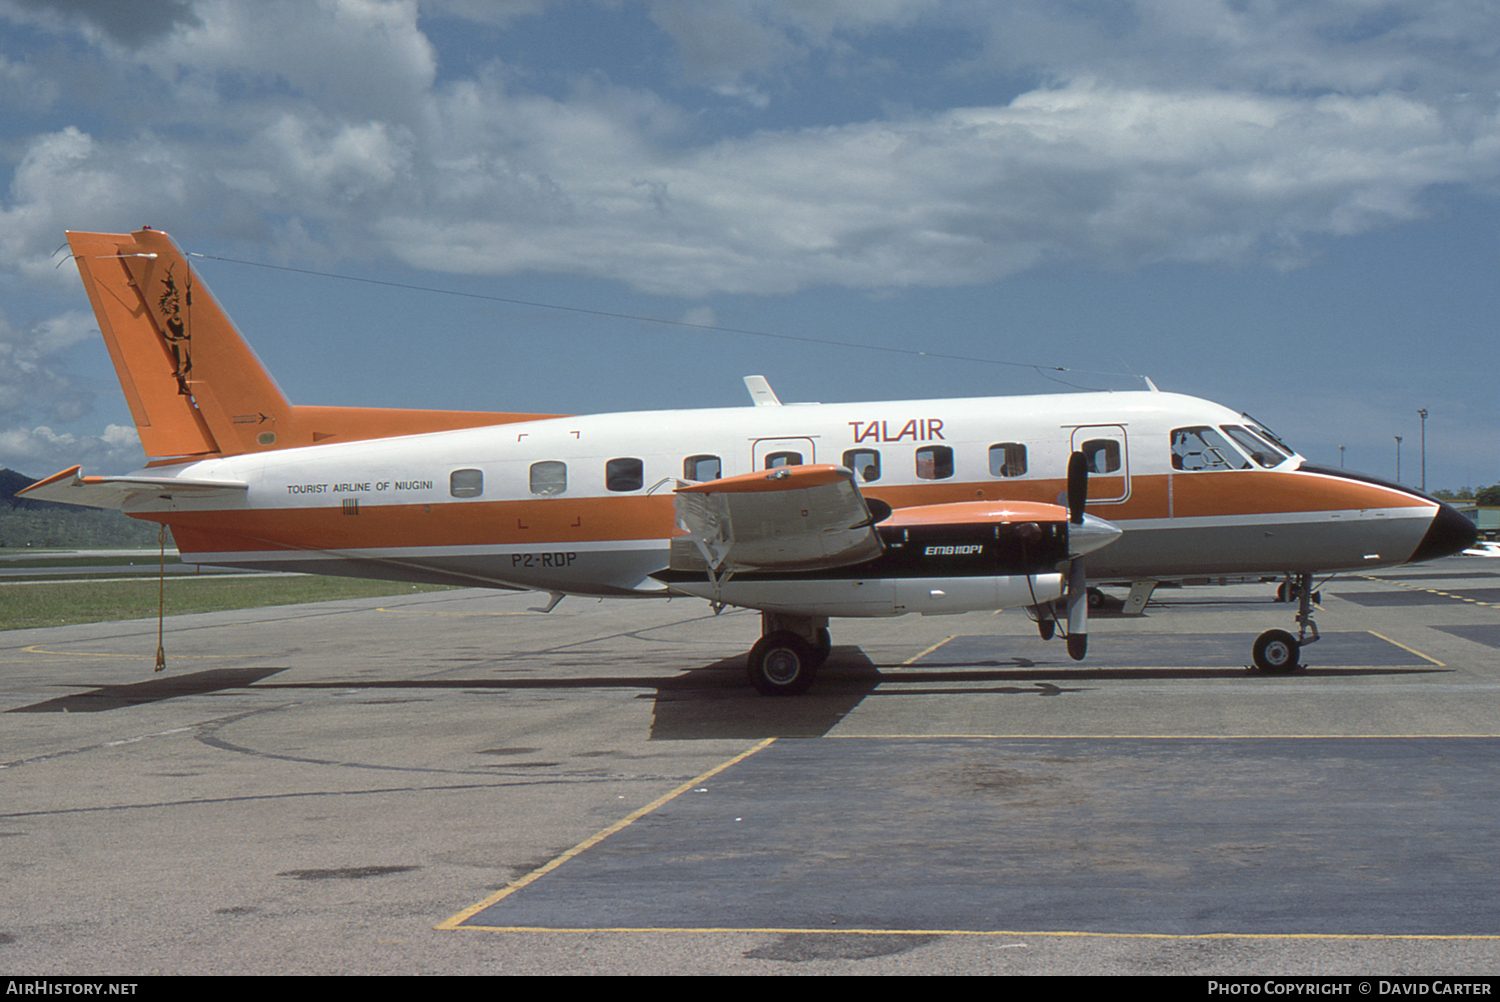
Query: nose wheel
pixel 1277 652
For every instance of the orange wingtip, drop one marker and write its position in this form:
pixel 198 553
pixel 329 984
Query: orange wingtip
pixel 70 472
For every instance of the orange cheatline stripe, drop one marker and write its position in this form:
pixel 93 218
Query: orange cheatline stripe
pixel 456 523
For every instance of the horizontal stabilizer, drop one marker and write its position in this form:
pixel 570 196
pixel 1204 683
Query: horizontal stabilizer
pixel 792 518
pixel 117 493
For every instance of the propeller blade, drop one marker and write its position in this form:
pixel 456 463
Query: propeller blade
pixel 1078 487
pixel 1076 599
pixel 1078 611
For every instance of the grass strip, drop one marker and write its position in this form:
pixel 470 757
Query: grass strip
pixel 65 603
pixel 145 558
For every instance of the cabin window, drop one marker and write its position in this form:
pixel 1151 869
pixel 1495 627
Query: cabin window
pixel 935 462
pixel 1204 449
pixel 624 474
pixel 549 477
pixel 865 463
pixel 702 468
pixel 1261 450
pixel 776 459
pixel 1102 455
pixel 466 483
pixel 1008 459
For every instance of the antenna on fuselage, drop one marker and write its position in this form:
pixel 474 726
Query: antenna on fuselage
pixel 761 393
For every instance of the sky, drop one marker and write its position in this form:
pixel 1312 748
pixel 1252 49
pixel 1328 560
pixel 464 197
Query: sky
pixel 580 206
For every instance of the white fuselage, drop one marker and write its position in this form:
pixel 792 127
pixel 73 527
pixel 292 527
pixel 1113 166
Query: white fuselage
pixel 583 505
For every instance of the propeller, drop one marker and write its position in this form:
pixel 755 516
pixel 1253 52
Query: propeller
pixel 1076 598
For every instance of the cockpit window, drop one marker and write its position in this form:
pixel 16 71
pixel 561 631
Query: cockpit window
pixel 1261 450
pixel 1204 449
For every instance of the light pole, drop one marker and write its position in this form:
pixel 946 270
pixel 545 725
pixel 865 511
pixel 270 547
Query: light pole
pixel 1423 415
pixel 1341 457
pixel 1398 459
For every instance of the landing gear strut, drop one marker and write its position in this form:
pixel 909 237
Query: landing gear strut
pixel 786 659
pixel 1276 652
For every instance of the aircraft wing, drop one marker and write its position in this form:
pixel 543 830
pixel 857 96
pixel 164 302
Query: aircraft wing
pixel 793 518
pixel 68 487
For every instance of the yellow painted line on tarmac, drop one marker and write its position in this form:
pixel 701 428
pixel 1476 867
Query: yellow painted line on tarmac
pixel 1431 591
pixel 589 843
pixel 917 657
pixel 1018 934
pixel 423 612
pixel 38 649
pixel 1411 650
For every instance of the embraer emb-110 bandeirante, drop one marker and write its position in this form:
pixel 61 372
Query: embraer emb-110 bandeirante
pixel 804 512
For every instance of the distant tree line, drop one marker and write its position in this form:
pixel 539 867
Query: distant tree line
pixel 1485 497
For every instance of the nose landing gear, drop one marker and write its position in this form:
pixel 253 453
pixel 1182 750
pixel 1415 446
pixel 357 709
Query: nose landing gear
pixel 1277 652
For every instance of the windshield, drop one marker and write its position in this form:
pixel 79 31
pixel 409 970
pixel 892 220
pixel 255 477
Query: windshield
pixel 1266 433
pixel 1261 449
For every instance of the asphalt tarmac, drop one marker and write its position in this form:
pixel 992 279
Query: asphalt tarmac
pixel 454 782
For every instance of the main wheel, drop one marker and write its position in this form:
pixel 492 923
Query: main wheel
pixel 1276 652
pixel 1046 626
pixel 781 664
pixel 823 647
pixel 1096 598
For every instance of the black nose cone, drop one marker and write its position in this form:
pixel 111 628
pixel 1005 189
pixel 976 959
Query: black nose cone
pixel 1449 533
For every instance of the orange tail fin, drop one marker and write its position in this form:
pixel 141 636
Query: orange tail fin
pixel 193 385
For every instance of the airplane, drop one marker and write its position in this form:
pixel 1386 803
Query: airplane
pixel 805 512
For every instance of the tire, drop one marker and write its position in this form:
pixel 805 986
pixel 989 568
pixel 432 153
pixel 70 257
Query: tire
pixel 781 664
pixel 823 647
pixel 1096 598
pixel 1276 652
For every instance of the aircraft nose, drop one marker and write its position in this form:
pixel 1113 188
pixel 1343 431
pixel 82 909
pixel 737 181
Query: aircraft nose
pixel 1449 533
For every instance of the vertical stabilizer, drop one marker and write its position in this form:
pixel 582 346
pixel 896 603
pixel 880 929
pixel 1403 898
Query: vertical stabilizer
pixel 193 385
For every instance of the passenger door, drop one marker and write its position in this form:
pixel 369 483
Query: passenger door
pixel 1104 447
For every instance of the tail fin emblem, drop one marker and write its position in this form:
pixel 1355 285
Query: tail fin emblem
pixel 171 304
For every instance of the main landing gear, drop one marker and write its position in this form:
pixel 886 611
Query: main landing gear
pixel 789 653
pixel 1276 652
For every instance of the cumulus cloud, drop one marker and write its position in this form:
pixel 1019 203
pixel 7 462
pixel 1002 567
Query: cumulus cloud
pixel 36 386
pixel 40 451
pixel 130 24
pixel 31 378
pixel 1151 131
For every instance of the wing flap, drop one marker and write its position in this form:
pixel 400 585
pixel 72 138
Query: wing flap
pixel 793 518
pixel 117 493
